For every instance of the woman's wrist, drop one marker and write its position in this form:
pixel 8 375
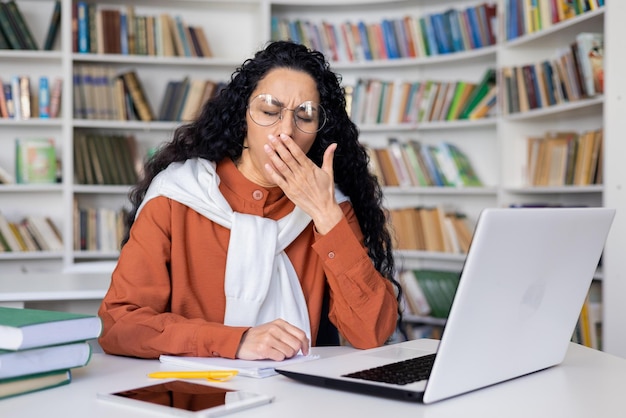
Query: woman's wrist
pixel 329 220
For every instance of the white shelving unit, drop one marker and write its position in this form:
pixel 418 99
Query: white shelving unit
pixel 230 45
pixel 236 29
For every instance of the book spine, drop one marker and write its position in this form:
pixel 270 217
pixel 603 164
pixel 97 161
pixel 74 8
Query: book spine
pixel 83 27
pixel 16 97
pixel 28 39
pixel 53 28
pixel 7 28
pixel 44 98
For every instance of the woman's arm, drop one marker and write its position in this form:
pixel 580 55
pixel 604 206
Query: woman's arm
pixel 363 303
pixel 153 306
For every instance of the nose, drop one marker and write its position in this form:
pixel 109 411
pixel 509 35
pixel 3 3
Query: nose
pixel 287 121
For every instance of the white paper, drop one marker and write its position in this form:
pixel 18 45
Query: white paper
pixel 250 368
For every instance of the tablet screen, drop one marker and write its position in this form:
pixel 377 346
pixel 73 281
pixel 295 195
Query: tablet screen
pixel 179 394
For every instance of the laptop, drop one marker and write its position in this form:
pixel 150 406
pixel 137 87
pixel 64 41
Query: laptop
pixel 522 287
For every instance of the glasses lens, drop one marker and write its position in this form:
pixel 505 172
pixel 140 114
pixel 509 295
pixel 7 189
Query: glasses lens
pixel 310 117
pixel 265 110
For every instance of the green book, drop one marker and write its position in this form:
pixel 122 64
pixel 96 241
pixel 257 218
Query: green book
pixel 33 382
pixel 24 31
pixel 8 29
pixel 35 160
pixel 481 90
pixel 439 288
pixel 53 27
pixel 22 329
pixel 4 43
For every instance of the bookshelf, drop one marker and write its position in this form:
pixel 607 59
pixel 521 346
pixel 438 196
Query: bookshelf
pixel 495 145
pixel 57 200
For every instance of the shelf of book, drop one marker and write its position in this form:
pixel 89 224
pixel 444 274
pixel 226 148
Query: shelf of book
pixel 542 190
pixel 583 106
pixel 225 63
pixel 437 190
pixel 557 28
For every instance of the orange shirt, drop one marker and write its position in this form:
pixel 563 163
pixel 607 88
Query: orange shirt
pixel 167 290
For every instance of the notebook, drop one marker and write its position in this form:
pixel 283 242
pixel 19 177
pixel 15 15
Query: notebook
pixel 522 287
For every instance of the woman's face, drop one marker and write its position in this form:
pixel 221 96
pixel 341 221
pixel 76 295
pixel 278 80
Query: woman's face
pixel 289 89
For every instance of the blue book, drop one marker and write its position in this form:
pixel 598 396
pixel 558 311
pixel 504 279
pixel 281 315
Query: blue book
pixel 44 98
pixel 275 31
pixel 83 27
pixel 513 28
pixel 124 33
pixel 455 29
pixel 429 33
pixel 293 31
pixel 549 76
pixel 444 42
pixel 391 42
pixel 431 166
pixel 180 27
pixel 474 27
pixel 8 97
pixel 365 41
pixel 533 75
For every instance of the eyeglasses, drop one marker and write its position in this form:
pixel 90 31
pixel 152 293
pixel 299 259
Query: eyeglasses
pixel 266 110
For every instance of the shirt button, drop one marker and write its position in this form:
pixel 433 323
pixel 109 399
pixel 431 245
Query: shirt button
pixel 331 254
pixel 257 195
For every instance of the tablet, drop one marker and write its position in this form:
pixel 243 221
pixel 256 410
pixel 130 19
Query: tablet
pixel 186 399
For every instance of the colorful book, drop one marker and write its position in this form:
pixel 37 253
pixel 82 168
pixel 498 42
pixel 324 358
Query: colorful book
pixel 35 160
pixel 22 329
pixel 83 27
pixel 22 385
pixel 481 90
pixel 44 98
pixel 591 55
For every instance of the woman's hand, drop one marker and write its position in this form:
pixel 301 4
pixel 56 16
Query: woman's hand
pixel 308 186
pixel 277 340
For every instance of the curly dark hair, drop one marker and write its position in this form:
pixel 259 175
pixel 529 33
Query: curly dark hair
pixel 220 129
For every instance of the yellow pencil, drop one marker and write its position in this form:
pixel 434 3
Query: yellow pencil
pixel 215 375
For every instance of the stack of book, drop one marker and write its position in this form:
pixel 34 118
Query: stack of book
pixel 378 101
pixel 99 29
pixel 38 348
pixel 32 233
pixel 409 36
pixel 413 164
pixel 430 228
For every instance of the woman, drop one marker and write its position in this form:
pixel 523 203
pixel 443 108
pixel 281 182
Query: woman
pixel 255 220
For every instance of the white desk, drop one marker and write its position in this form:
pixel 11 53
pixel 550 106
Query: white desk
pixel 76 292
pixel 588 384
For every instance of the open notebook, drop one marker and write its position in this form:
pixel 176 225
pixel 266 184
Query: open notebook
pixel 521 290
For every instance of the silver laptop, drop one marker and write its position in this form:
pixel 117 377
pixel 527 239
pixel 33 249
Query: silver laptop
pixel 521 291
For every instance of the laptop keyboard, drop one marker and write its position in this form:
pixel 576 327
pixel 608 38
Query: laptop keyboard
pixel 400 373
